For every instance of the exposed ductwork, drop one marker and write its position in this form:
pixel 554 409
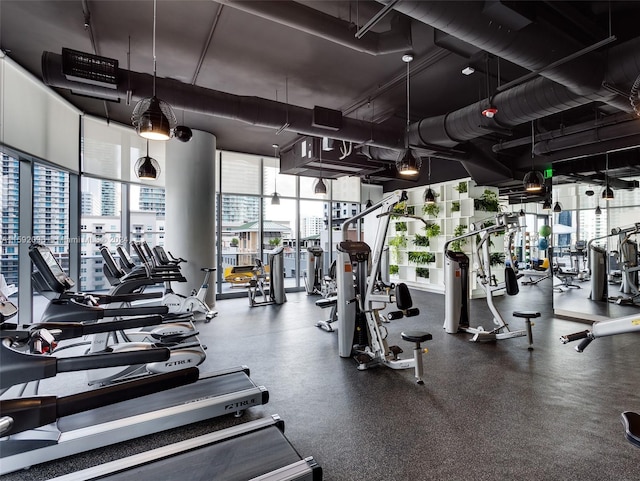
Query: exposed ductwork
pixel 309 20
pixel 251 110
pixel 530 47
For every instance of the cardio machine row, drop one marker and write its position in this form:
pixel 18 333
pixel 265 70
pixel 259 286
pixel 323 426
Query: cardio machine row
pixel 134 406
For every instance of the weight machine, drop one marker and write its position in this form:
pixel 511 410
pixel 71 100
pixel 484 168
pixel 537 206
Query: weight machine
pixel 627 257
pixel 361 295
pixel 611 327
pixel 456 279
pixel 313 276
pixel 268 284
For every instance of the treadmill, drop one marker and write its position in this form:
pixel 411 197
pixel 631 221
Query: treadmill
pixel 213 394
pixel 256 450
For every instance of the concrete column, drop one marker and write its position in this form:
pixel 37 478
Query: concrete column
pixel 190 209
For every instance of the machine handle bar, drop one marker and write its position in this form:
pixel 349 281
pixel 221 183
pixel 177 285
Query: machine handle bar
pixel 111 359
pixel 575 336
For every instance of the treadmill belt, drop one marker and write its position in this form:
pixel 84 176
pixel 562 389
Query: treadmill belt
pixel 236 459
pixel 201 389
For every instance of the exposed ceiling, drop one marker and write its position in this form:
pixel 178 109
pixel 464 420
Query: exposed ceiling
pixel 242 70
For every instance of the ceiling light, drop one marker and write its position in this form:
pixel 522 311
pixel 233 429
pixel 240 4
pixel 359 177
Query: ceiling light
pixel 407 163
pixel 557 208
pixel 607 193
pixel 429 196
pixel 275 198
pixel 468 70
pixel 533 181
pixel 546 205
pixel 598 210
pixel 152 117
pixel 147 168
pixel 319 186
pixel 521 213
pixel 369 204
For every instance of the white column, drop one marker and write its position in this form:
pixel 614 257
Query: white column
pixel 190 208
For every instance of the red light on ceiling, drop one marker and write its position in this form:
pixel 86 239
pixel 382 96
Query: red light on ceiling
pixel 490 112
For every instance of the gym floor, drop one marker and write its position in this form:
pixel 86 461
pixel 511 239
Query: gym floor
pixel 486 411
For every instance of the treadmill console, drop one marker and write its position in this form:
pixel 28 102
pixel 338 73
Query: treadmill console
pixel 48 267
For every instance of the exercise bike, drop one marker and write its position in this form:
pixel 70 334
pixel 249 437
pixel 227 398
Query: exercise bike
pixel 195 304
pixel 611 327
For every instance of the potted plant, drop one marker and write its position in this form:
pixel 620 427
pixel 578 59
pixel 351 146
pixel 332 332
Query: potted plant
pixel 461 188
pixel 396 243
pixel 421 240
pixel 393 269
pixel 455 206
pixel 422 272
pixel 431 209
pixel 421 257
pixel 487 202
pixel 496 258
pixel 432 230
pixel 456 245
pixel 401 227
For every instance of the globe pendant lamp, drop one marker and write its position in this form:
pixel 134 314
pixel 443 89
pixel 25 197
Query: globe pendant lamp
pixel 147 168
pixel 407 163
pixel 152 117
pixel 533 181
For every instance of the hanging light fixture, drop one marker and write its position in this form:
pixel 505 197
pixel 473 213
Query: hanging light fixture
pixel 546 205
pixel 607 193
pixel 429 194
pixel 557 208
pixel 147 168
pixel 152 117
pixel 275 198
pixel 521 213
pixel 369 203
pixel 407 163
pixel 598 210
pixel 319 187
pixel 533 181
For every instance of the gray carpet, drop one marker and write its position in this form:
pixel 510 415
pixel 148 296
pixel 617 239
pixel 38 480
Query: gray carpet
pixel 486 412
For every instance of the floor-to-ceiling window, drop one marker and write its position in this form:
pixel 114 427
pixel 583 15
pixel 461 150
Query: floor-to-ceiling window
pixel 10 227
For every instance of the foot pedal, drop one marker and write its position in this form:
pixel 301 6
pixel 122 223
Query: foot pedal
pixel 363 358
pixel 395 350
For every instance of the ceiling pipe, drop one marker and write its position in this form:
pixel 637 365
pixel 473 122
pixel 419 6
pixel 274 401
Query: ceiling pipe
pixel 572 129
pixel 529 101
pixel 314 22
pixel 247 109
pixel 531 47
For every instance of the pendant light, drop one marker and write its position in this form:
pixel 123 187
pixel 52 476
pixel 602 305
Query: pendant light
pixel 369 203
pixel 407 163
pixel 522 212
pixel 533 181
pixel 275 198
pixel 546 205
pixel 598 210
pixel 152 117
pixel 147 168
pixel 429 195
pixel 557 208
pixel 607 193
pixel 319 186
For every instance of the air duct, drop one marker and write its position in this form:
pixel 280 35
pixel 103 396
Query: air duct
pixel 309 20
pixel 247 109
pixel 531 47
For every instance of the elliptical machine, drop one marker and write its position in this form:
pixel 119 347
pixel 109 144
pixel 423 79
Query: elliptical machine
pixel 313 276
